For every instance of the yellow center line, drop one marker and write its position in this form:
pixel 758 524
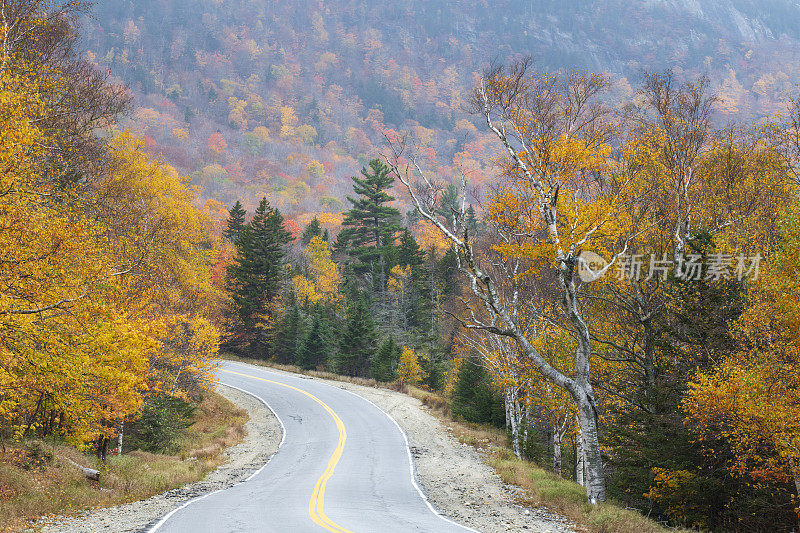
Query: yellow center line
pixel 315 505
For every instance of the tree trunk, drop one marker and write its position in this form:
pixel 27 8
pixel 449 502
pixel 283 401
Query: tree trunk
pixel 593 459
pixel 581 390
pixel 513 419
pixel 102 447
pixel 557 451
pixel 119 436
pixel 580 457
pixel 795 476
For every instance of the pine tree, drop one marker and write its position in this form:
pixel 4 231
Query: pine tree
pixel 418 307
pixel 384 364
pixel 235 222
pixel 313 229
pixel 254 278
pixel 471 221
pixel 357 344
pixel 474 397
pixel 370 225
pixel 289 337
pixel 315 349
pixel 448 203
pixel 408 251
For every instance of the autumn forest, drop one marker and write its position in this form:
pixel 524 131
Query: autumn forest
pixel 588 243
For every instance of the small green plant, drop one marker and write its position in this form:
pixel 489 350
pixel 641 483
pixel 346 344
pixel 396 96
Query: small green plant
pixel 36 456
pixel 164 420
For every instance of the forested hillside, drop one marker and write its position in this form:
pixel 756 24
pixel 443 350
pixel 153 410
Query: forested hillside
pixel 513 206
pixel 288 99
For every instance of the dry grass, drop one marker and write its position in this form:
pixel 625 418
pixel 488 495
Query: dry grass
pixel 37 479
pixel 542 488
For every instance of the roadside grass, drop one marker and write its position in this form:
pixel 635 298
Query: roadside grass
pixel 542 488
pixel 37 478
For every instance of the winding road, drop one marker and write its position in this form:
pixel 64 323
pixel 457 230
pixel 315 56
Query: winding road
pixel 343 466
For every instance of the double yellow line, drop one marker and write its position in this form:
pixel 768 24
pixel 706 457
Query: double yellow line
pixel 315 505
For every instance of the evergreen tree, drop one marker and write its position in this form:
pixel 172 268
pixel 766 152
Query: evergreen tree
pixel 419 306
pixel 370 225
pixel 384 363
pixel 447 271
pixel 649 433
pixel 471 221
pixel 412 217
pixel 315 349
pixel 448 204
pixel 474 397
pixel 235 222
pixel 288 337
pixel 357 344
pixel 408 251
pixel 339 247
pixel 389 251
pixel 313 229
pixel 254 278
pixel 434 369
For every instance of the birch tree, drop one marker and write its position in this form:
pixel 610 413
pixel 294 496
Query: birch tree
pixel 560 193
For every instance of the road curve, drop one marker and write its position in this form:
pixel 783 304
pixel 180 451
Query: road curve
pixel 343 466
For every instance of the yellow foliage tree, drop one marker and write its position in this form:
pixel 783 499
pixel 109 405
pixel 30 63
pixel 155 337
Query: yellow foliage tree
pixel 322 282
pixel 409 371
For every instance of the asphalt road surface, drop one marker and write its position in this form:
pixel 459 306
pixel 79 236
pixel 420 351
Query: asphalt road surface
pixel 343 466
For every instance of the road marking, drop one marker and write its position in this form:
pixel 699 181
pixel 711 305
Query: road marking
pixel 317 501
pixel 251 476
pixel 411 464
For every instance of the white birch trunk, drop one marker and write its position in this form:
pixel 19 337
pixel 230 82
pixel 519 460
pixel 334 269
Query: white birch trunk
pixel 514 420
pixel 580 464
pixel 119 436
pixel 557 452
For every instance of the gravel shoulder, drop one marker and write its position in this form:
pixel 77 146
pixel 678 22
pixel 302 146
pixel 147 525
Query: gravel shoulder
pixel 261 442
pixel 458 483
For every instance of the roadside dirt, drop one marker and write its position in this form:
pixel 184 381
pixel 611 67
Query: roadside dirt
pixel 453 475
pixel 262 440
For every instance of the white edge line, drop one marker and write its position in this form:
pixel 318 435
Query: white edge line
pixel 405 438
pixel 251 476
pixel 412 470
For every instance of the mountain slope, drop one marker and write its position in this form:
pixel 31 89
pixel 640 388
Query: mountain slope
pixel 287 99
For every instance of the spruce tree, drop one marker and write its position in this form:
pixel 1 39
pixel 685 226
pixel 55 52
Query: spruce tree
pixel 471 221
pixel 357 344
pixel 418 307
pixel 288 337
pixel 385 361
pixel 370 225
pixel 313 229
pixel 448 204
pixel 315 349
pixel 408 251
pixel 235 222
pixel 475 399
pixel 254 278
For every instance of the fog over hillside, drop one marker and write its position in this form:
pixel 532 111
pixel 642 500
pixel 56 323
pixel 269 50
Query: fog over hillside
pixel 289 98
